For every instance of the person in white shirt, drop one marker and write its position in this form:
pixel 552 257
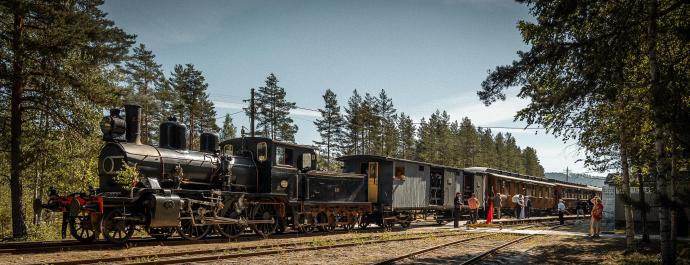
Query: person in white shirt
pixel 516 210
pixel 561 211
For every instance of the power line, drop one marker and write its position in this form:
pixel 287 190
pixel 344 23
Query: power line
pixel 231 114
pixel 517 128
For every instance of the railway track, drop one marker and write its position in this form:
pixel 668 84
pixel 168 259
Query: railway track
pixel 253 251
pixel 473 260
pixel 73 245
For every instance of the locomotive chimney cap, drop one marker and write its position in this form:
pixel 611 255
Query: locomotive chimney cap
pixel 172 118
pixel 115 112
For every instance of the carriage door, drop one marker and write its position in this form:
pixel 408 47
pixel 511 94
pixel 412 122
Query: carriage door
pixel 373 181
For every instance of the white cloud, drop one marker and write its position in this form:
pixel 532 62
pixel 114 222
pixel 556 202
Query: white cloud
pixel 501 111
pixel 228 105
pixel 305 113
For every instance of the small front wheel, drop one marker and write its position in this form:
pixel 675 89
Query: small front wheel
pixel 82 227
pixel 116 228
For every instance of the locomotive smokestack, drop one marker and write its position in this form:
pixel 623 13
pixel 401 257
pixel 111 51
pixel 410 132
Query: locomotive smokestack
pixel 132 115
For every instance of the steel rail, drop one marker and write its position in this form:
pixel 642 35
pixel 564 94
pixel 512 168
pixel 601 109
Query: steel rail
pixel 474 259
pixel 477 258
pixel 68 245
pixel 213 254
pixel 393 260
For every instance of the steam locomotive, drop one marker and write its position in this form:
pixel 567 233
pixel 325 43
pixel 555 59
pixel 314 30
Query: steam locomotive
pixel 250 183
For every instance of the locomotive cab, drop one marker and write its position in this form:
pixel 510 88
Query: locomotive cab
pixel 278 164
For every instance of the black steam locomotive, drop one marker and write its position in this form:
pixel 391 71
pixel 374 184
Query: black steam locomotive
pixel 226 188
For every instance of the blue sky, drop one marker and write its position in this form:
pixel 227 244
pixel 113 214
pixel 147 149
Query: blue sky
pixel 427 55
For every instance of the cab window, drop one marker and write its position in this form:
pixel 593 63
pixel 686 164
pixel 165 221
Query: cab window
pixel 306 161
pixel 280 155
pixel 262 151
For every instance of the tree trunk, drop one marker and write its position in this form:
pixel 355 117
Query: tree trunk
pixel 645 234
pixel 672 190
pixel 658 102
pixel 191 128
pixel 629 219
pixel 18 225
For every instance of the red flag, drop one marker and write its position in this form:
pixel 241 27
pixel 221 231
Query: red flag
pixel 490 213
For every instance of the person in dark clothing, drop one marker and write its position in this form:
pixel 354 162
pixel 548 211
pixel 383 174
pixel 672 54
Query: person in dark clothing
pixel 561 211
pixel 456 209
pixel 528 206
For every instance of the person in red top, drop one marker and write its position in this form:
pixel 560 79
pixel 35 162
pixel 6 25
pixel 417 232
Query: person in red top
pixel 597 214
pixel 473 204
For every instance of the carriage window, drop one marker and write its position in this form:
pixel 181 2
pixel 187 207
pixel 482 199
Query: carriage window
pixel 400 173
pixel 306 161
pixel 262 151
pixel 421 168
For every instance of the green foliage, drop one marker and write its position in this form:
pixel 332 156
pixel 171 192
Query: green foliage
pixel 330 127
pixel 228 131
pixel 127 176
pixel 145 81
pixel 57 61
pixel 406 137
pixel 192 106
pixel 273 111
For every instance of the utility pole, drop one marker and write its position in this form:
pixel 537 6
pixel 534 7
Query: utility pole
pixel 567 174
pixel 252 114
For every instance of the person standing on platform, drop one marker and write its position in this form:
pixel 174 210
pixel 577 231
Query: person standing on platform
pixel 516 210
pixel 521 206
pixel 473 204
pixel 561 211
pixel 597 214
pixel 528 206
pixel 498 203
pixel 457 203
pixel 580 209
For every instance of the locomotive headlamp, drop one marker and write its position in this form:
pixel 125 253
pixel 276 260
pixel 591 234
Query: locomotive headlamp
pixel 284 183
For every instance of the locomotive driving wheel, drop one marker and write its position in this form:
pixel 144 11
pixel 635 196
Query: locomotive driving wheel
pixel 265 212
pixel 192 229
pixel 116 228
pixel 231 230
pixel 82 227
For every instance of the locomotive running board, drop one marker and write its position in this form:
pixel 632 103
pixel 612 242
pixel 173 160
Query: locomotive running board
pixel 230 221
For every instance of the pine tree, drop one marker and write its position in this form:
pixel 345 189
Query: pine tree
pixel 406 137
pixel 371 143
pixel 354 127
pixel 145 78
pixel 468 143
pixel 487 149
pixel 193 105
pixel 273 111
pixel 330 126
pixel 501 154
pixel 229 130
pixel 385 112
pixel 55 60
